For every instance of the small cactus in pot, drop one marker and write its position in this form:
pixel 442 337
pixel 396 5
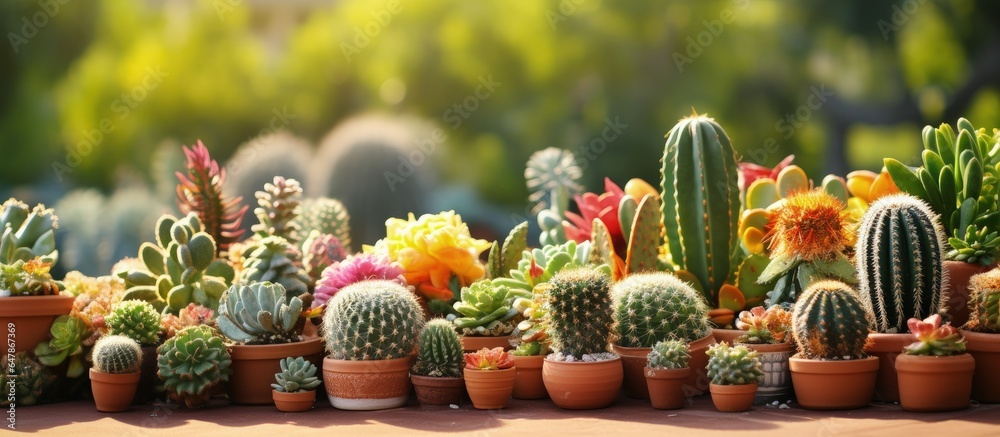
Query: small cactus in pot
pixel 734 372
pixel 296 384
pixel 115 375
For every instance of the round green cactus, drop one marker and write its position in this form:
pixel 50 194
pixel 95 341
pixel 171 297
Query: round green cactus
pixel 328 216
pixel 137 320
pixel 580 315
pixel 117 354
pixel 651 307
pixel 191 363
pixel 372 320
pixel 734 365
pixel 984 302
pixel 829 322
pixel 668 354
pixel 296 374
pixel 440 351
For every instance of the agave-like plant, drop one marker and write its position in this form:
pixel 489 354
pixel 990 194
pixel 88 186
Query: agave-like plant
pixel 200 191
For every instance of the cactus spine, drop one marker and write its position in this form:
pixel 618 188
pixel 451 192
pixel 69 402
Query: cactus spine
pixel 372 320
pixel 733 365
pixel 668 354
pixel 328 216
pixel 898 256
pixel 984 302
pixel 117 354
pixel 829 322
pixel 652 307
pixel 581 316
pixel 440 351
pixel 135 319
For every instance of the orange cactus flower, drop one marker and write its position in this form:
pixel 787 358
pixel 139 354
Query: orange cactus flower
pixel 488 359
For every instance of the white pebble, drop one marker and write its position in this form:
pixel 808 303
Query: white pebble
pixel 775 403
pixel 783 407
pixel 453 406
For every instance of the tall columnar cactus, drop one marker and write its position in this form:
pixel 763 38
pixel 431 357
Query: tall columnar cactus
pixel 581 315
pixel 701 200
pixel 440 351
pixel 652 307
pixel 117 354
pixel 274 259
pixel 984 302
pixel 278 207
pixel 135 319
pixel 27 233
pixel 192 363
pixel 328 216
pixel 258 314
pixel 898 258
pixel 200 192
pixel 830 323
pixel 319 251
pixel 372 320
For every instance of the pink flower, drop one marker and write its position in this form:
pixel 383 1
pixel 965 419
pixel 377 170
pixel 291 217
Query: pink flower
pixel 355 268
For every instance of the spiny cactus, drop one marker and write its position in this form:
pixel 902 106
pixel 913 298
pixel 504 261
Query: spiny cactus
pixel 200 192
pixel 651 307
pixel 319 251
pixel 984 302
pixel 279 206
pixel 581 315
pixel 372 320
pixel 898 257
pixel 135 319
pixel 30 278
pixel 829 322
pixel 440 351
pixel 117 354
pixel 296 375
pixel 328 216
pixel 504 257
pixel 701 200
pixel 274 259
pixel 488 309
pixel 258 314
pixel 643 232
pixel 192 363
pixel 734 365
pixel 27 234
pixel 668 354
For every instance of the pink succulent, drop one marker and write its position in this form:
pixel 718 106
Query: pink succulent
pixel 355 268
pixel 933 338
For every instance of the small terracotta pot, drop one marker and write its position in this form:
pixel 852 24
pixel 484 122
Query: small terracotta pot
pixel 32 317
pixel 633 366
pixel 957 291
pixel 367 385
pixel 293 402
pixel 528 382
pixel 473 344
pixel 583 385
pixel 887 347
pixel 698 381
pixel 113 392
pixel 254 367
pixel 727 335
pixel 438 390
pixel 931 384
pixel 666 387
pixel 833 384
pixel 985 349
pixel 777 382
pixel 490 389
pixel 733 398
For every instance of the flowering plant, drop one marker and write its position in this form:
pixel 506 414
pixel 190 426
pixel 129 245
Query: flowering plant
pixel 355 268
pixel 933 338
pixel 488 359
pixel 764 326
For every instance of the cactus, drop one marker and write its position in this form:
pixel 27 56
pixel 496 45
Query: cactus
pixel 279 206
pixel 117 354
pixel 830 323
pixel 504 258
pixel 643 237
pixel 372 320
pixel 296 375
pixel 135 319
pixel 898 257
pixel 984 302
pixel 200 192
pixel 733 365
pixel 327 216
pixel 581 316
pixel 934 338
pixel 488 309
pixel 489 359
pixel 355 268
pixel 66 346
pixel 701 200
pixel 26 234
pixel 30 382
pixel 652 307
pixel 274 259
pixel 319 251
pixel 440 351
pixel 192 363
pixel 257 313
pixel 668 354
pixel 30 278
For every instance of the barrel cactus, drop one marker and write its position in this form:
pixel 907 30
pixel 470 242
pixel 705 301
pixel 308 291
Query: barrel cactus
pixel 27 233
pixel 274 259
pixel 372 320
pixel 117 354
pixel 668 354
pixel 651 307
pixel 984 302
pixel 733 365
pixel 581 315
pixel 898 257
pixel 829 322
pixel 257 313
pixel 135 319
pixel 440 351
pixel 296 375
pixel 192 363
pixel 278 207
pixel 327 216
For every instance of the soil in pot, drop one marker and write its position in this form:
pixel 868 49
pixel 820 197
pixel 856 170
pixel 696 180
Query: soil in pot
pixel 887 347
pixel 698 381
pixel 254 367
pixel 932 384
pixel 473 344
pixel 833 384
pixel 985 349
pixel 528 381
pixel 293 402
pixel 367 385
pixel 666 387
pixel 633 366
pixel 957 291
pixel 777 382
pixel 583 385
pixel 490 389
pixel 113 392
pixel 437 390
pixel 733 398
pixel 32 317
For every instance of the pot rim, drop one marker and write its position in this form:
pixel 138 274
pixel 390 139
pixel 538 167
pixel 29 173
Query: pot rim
pixel 114 378
pixel 365 366
pixel 31 306
pixel 806 365
pixel 732 388
pixel 250 352
pixel 592 363
pixel 682 373
pixel 981 341
pixel 933 364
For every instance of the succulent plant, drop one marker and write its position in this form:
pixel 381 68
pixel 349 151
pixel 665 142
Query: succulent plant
pixel 29 278
pixel 274 259
pixel 135 319
pixel 66 346
pixel 372 320
pixel 192 363
pixel 764 326
pixel 191 315
pixel 984 302
pixel 257 313
pixel 898 256
pixel 581 313
pixel 30 382
pixel 439 351
pixel 319 251
pixel 668 354
pixel 489 359
pixel 356 268
pixel 279 206
pixel 643 236
pixel 934 338
pixel 504 257
pixel 532 332
pixel 830 323
pixel 487 309
pixel 552 176
pixel 733 365
pixel 200 192
pixel 652 307
pixel 27 233
pixel 603 207
pixel 296 375
pixel 327 216
pixel 538 266
pixel 117 354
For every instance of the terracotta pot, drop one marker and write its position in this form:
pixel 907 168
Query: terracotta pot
pixel 32 317
pixel 733 398
pixel 583 385
pixel 633 366
pixel 931 384
pixel 438 390
pixel 887 347
pixel 254 367
pixel 293 402
pixel 957 291
pixel 726 335
pixel 985 349
pixel 367 385
pixel 528 382
pixel 666 387
pixel 490 389
pixel 310 330
pixel 777 382
pixel 146 391
pixel 698 381
pixel 113 392
pixel 833 384
pixel 473 344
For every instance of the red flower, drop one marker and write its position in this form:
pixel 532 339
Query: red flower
pixel 603 207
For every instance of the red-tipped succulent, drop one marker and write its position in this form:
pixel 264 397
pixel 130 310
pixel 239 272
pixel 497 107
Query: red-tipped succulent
pixel 933 338
pixel 488 359
pixel 200 191
pixel 603 207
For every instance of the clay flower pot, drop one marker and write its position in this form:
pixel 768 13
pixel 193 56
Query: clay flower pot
pixel 733 398
pixel 931 384
pixel 438 390
pixel 528 382
pixel 666 387
pixel 254 367
pixel 490 389
pixel 957 290
pixel 293 402
pixel 472 344
pixel 985 349
pixel 698 381
pixel 633 366
pixel 32 317
pixel 583 385
pixel 833 384
pixel 887 347
pixel 113 392
pixel 367 385
pixel 777 382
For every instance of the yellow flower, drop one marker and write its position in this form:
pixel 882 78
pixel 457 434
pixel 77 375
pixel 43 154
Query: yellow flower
pixel 431 250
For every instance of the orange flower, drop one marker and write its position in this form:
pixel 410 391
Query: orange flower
pixel 488 359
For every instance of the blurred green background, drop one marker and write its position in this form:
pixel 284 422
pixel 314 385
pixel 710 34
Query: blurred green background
pixel 425 105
